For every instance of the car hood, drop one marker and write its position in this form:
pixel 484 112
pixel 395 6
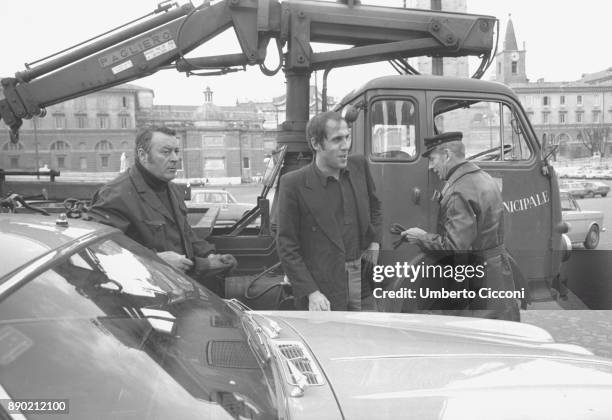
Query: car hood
pixel 437 367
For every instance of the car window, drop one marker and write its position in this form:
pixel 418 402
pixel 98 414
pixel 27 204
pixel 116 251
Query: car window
pixel 567 204
pixel 216 198
pixel 120 332
pixel 198 198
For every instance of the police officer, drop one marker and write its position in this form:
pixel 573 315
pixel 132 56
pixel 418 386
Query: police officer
pixel 470 224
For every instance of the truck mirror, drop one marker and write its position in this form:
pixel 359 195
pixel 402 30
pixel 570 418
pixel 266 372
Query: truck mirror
pixel 350 113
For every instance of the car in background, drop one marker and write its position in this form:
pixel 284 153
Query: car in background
pixel 584 226
pixel 230 210
pixel 575 188
pixel 582 189
pixel 594 188
pixel 90 316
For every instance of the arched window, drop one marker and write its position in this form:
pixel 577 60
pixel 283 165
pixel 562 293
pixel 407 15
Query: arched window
pixel 59 152
pixel 60 146
pixel 12 147
pixel 104 146
pixel 564 138
pixel 104 149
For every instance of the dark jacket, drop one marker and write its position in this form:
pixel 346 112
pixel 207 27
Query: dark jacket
pixel 471 224
pixel 310 242
pixel 471 213
pixel 129 204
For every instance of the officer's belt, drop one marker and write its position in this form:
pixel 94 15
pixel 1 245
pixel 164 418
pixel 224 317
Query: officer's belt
pixel 492 252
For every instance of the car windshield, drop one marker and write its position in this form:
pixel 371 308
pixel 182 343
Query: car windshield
pixel 122 335
pixel 566 203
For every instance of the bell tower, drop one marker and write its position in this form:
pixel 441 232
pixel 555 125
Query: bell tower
pixel 510 62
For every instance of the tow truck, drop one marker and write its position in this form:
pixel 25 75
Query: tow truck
pixel 389 116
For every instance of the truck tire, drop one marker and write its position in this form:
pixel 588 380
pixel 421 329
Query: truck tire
pixel 592 239
pixel 603 195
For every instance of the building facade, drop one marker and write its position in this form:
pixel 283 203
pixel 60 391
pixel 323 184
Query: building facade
pixel 87 134
pixel 576 115
pixel 91 133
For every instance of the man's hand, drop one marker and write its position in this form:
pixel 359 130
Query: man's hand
pixel 318 302
pixel 222 261
pixel 413 234
pixel 371 254
pixel 180 262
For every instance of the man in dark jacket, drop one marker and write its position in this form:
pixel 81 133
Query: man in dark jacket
pixel 329 218
pixel 147 207
pixel 470 226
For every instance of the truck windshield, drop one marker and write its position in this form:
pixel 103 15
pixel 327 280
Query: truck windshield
pixel 491 130
pixel 122 335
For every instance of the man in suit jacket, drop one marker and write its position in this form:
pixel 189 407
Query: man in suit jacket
pixel 329 218
pixel 147 207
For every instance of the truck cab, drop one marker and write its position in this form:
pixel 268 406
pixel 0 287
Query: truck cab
pixel 391 116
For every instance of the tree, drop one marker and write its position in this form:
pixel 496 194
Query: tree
pixel 595 138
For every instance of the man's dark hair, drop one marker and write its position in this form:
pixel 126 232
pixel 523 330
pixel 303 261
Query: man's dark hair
pixel 144 136
pixel 315 129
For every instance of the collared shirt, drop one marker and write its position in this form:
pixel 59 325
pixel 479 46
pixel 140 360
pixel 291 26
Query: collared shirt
pixel 343 205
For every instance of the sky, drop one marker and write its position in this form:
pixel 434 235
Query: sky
pixel 563 40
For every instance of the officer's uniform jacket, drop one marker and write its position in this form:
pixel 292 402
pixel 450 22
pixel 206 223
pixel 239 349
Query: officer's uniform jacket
pixel 471 213
pixel 472 219
pixel 310 242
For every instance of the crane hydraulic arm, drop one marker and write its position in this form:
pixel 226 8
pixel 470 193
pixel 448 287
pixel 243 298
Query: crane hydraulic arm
pixel 367 34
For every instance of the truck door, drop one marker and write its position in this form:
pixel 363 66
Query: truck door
pixel 498 138
pixel 393 128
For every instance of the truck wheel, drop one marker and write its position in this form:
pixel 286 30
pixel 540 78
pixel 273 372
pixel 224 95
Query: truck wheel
pixel 603 195
pixel 592 238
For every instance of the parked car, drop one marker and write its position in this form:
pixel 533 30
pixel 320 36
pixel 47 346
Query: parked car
pixel 90 316
pixel 584 226
pixel 575 188
pixel 594 188
pixel 230 210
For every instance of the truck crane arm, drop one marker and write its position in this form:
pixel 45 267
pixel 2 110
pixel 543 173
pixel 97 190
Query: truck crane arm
pixel 369 34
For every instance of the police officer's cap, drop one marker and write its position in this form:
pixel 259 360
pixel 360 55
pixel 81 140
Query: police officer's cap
pixel 432 142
